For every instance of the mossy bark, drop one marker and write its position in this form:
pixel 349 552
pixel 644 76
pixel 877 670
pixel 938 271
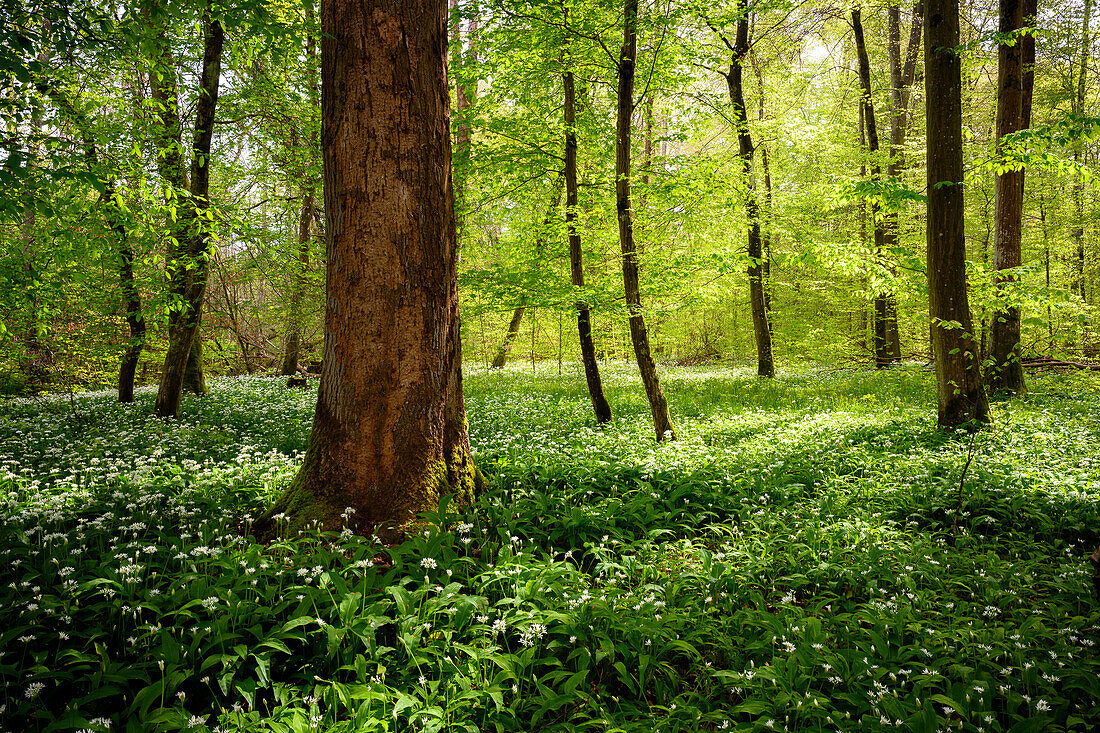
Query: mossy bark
pixel 389 434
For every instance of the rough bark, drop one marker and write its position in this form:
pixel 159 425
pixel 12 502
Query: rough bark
pixel 1004 371
pixel 765 363
pixel 389 431
pixel 190 265
pixel 600 404
pixel 960 392
pixel 639 335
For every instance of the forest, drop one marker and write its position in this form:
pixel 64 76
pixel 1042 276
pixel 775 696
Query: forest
pixel 549 365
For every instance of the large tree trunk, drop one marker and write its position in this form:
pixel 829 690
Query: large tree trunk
pixel 190 269
pixel 639 336
pixel 1005 372
pixel 389 432
pixel 961 395
pixel 576 256
pixel 765 363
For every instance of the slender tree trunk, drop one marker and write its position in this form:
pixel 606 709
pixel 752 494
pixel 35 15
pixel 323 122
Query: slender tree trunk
pixel 765 364
pixel 1005 372
pixel 505 347
pixel 190 271
pixel 1046 267
pixel 36 358
pixel 639 336
pixel 110 200
pixel 576 256
pixel 298 289
pixel 305 219
pixel 961 395
pixel 885 332
pixel 902 73
pixel 1079 187
pixel 385 441
pixel 462 475
pixel 767 224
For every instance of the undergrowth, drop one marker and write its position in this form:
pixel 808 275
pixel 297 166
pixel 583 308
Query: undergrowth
pixel 803 558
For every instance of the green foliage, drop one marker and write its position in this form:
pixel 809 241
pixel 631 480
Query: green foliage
pixel 789 563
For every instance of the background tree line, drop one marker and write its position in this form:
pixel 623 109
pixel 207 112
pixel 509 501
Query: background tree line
pixel 773 151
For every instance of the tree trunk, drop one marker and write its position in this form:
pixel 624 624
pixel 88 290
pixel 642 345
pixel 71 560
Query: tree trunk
pixel 961 395
pixel 36 358
pixel 462 475
pixel 1005 372
pixel 767 224
pixel 298 289
pixel 110 199
pixel 765 364
pixel 505 347
pixel 189 269
pixel 576 257
pixel 389 431
pixel 639 336
pixel 465 97
pixel 194 376
pixel 1078 106
pixel 131 298
pixel 902 73
pixel 886 343
pixel 305 219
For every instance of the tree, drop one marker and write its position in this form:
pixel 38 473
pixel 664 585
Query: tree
pixel 758 300
pixel 576 256
pixel 1005 372
pixel 389 432
pixel 885 337
pixel 189 258
pixel 902 73
pixel 308 194
pixel 639 335
pixel 960 393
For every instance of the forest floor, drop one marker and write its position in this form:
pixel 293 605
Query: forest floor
pixel 808 556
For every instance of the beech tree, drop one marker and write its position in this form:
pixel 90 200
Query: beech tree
pixel 189 253
pixel 1005 372
pixel 960 393
pixel 600 404
pixel 639 334
pixel 758 298
pixel 389 431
